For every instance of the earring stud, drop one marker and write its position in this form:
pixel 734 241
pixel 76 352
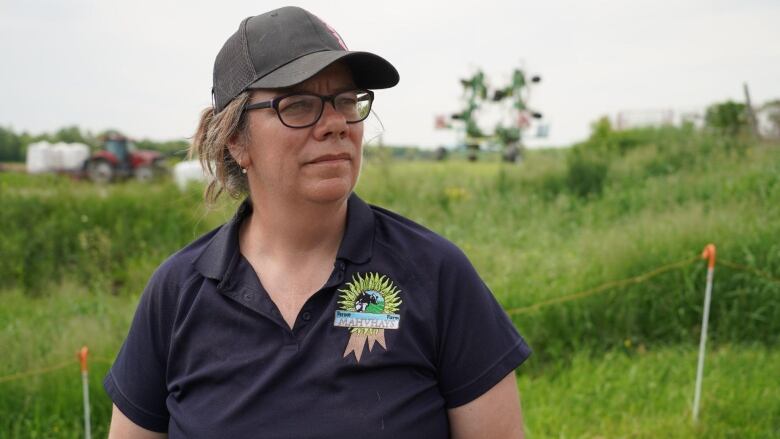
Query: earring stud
pixel 243 170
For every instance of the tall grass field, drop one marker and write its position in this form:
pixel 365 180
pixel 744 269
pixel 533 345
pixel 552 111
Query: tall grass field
pixel 545 234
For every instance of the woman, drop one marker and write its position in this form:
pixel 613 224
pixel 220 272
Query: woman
pixel 310 313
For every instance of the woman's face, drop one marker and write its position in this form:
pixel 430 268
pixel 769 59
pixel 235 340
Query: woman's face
pixel 317 164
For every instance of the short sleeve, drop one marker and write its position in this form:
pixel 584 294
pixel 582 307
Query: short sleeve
pixel 136 381
pixel 478 344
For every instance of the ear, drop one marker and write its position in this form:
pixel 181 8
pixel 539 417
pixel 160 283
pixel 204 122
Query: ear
pixel 237 150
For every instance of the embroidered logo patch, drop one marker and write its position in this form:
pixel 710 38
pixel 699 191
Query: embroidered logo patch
pixel 367 306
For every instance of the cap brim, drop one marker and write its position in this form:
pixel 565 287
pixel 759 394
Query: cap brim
pixel 368 70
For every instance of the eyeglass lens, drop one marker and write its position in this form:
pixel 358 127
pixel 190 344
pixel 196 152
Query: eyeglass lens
pixel 301 110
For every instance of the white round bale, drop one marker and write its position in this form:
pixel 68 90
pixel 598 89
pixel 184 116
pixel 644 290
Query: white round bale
pixel 37 159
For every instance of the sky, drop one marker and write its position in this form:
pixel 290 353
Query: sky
pixel 145 66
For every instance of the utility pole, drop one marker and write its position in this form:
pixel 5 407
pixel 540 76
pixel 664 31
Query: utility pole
pixel 751 115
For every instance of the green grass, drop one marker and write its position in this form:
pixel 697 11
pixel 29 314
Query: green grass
pixel 630 390
pixel 648 393
pixel 47 331
pixel 75 258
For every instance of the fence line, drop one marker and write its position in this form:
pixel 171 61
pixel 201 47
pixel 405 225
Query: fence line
pixel 511 311
pixel 604 287
pixel 102 360
pixel 20 375
pixel 755 271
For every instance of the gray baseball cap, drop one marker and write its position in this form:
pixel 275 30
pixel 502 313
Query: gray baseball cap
pixel 285 47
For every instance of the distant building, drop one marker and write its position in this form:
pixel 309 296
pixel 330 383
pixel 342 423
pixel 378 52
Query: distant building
pixel 768 120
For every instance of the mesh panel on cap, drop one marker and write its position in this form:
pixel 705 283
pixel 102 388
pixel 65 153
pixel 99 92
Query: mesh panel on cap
pixel 233 70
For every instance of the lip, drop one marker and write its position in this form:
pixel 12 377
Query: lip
pixel 331 158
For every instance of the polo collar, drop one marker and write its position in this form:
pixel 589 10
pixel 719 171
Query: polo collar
pixel 356 245
pixel 358 242
pixel 215 259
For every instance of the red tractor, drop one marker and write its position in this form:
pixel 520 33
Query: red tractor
pixel 120 159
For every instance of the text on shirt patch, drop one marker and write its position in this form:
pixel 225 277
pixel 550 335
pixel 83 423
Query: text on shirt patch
pixel 368 306
pixel 365 320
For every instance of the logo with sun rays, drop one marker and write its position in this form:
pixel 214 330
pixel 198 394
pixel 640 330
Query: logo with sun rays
pixel 367 306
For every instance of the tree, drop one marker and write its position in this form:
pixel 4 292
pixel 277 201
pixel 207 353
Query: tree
pixel 11 148
pixel 727 118
pixel 71 134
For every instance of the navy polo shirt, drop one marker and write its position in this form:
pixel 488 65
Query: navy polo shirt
pixel 403 330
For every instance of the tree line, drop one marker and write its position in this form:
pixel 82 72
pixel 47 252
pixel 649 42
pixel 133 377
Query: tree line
pixel 13 145
pixel 725 118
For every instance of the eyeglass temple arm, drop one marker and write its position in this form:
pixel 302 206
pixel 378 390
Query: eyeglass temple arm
pixel 266 104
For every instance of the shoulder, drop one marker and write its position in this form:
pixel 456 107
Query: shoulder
pixel 174 283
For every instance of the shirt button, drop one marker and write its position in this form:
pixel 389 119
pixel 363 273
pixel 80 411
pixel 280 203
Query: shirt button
pixel 306 316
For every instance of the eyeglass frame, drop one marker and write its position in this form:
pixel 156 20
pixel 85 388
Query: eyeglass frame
pixel 274 103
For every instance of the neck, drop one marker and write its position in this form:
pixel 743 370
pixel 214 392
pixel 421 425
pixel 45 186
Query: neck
pixel 288 232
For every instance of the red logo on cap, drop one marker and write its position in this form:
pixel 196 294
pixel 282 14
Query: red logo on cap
pixel 335 34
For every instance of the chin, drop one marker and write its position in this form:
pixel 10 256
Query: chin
pixel 330 190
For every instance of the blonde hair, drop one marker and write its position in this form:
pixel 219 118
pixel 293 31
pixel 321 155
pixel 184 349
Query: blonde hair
pixel 211 146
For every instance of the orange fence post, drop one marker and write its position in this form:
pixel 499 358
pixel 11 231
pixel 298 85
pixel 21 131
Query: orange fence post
pixel 82 355
pixel 709 255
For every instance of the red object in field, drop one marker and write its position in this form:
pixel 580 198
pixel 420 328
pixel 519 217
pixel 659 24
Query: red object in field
pixel 120 159
pixel 709 254
pixel 83 358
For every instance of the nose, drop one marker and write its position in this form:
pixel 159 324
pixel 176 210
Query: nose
pixel 331 123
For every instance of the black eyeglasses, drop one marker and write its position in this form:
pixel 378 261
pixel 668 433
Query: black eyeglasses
pixel 301 110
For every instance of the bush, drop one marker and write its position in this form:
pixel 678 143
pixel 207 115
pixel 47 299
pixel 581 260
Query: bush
pixel 587 173
pixel 727 118
pixel 71 230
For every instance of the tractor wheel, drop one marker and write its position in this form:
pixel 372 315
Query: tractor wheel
pixel 100 171
pixel 511 154
pixel 144 174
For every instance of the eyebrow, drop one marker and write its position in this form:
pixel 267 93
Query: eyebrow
pixel 297 89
